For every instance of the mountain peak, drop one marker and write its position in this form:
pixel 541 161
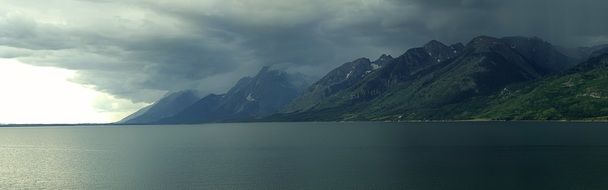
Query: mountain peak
pixel 439 51
pixel 481 41
pixel 361 60
pixel 457 47
pixel 484 38
pixel 523 38
pixel 270 71
pixel 434 44
pixel 187 92
pixel 383 59
pixel 436 47
pixel 485 44
pixel 265 68
pixel 384 56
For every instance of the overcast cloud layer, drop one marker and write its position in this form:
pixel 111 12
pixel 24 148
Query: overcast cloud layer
pixel 139 50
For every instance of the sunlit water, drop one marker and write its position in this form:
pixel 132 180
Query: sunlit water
pixel 461 155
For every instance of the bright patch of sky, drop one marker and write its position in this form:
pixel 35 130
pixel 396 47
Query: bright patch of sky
pixel 32 94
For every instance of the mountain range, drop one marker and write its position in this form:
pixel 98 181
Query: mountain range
pixel 250 98
pixel 510 78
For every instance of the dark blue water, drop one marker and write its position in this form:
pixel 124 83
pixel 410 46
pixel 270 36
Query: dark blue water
pixel 459 155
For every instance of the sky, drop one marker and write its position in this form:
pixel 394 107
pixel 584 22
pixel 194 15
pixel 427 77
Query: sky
pixel 73 61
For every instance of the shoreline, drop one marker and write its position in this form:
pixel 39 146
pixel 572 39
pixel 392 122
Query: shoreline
pixel 403 121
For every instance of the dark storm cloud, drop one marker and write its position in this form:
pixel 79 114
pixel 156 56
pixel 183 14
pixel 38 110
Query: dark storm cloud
pixel 564 22
pixel 140 49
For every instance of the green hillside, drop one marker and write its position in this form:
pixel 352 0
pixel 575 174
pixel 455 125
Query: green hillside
pixel 580 93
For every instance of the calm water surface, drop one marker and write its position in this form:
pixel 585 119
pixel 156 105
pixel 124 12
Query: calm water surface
pixel 461 155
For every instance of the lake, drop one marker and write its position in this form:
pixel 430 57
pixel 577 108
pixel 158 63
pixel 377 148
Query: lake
pixel 357 155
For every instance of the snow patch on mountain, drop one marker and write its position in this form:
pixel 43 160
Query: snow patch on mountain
pixel 250 98
pixel 375 66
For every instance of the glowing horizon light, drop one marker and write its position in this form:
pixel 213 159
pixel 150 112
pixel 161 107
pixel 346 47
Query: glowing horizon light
pixel 44 95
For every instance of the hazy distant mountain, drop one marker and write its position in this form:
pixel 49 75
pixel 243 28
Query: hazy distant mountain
pixel 545 57
pixel 169 105
pixel 422 81
pixel 583 53
pixel 252 97
pixel 598 50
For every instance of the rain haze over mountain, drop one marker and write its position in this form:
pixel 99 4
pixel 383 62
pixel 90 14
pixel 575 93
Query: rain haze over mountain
pixel 138 50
